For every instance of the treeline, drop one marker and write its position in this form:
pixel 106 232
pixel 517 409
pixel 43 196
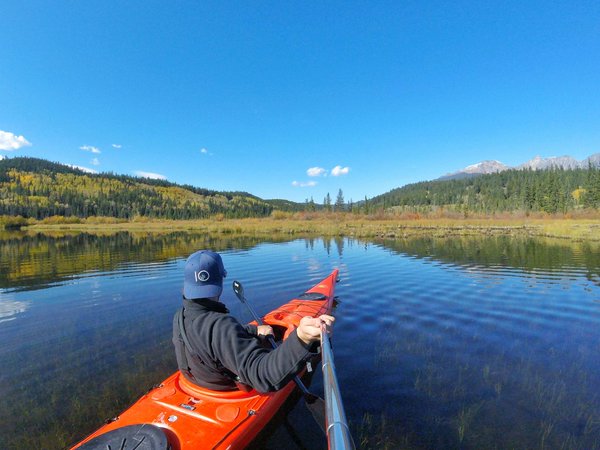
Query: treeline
pixel 36 188
pixel 551 191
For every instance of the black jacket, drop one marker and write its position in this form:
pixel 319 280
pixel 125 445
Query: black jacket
pixel 224 349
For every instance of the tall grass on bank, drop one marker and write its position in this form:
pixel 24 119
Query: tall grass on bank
pixel 12 222
pixel 581 226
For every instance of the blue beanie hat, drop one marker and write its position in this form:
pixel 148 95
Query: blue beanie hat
pixel 203 275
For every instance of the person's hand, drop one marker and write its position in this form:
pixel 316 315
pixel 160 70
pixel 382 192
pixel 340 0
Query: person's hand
pixel 309 329
pixel 264 330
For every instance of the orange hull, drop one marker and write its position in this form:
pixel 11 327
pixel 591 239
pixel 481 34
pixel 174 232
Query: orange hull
pixel 192 417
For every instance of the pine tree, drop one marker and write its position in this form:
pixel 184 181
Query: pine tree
pixel 327 202
pixel 339 201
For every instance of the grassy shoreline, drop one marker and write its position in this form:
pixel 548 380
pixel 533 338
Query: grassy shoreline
pixel 581 229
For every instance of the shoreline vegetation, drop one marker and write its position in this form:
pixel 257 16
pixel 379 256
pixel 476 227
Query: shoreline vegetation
pixel 584 226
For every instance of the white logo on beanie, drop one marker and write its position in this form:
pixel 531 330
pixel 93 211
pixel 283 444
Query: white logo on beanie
pixel 202 276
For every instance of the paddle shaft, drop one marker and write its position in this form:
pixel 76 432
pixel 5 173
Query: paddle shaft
pixel 338 433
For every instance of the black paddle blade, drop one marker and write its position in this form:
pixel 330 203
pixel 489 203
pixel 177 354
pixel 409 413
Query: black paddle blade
pixel 316 406
pixel 238 289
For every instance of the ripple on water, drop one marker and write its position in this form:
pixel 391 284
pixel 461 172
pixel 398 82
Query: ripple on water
pixel 436 346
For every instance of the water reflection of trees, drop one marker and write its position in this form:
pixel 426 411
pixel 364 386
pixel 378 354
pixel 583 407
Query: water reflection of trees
pixel 338 241
pixel 31 261
pixel 36 260
pixel 507 251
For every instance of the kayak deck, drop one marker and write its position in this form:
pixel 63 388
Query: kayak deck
pixel 193 417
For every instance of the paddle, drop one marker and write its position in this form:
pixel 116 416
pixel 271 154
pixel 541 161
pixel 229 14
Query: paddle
pixel 338 433
pixel 315 404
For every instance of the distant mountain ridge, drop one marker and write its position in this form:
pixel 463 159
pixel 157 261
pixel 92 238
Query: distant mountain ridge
pixel 537 163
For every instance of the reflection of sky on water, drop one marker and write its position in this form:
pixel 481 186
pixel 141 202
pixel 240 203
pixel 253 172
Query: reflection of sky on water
pixel 9 308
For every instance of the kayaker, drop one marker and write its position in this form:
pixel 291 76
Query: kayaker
pixel 217 352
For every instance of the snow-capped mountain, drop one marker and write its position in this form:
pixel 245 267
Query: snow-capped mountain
pixel 485 167
pixel 594 160
pixel 537 163
pixel 489 166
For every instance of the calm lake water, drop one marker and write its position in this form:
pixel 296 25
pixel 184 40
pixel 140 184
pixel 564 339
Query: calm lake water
pixel 439 343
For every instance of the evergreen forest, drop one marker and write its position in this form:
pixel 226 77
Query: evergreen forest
pixel 551 191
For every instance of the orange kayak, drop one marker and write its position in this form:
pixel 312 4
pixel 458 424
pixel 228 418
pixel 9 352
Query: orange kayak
pixel 179 415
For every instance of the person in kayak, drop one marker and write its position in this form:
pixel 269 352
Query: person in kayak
pixel 217 352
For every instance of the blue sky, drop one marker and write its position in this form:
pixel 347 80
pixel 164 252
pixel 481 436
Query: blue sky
pixel 251 95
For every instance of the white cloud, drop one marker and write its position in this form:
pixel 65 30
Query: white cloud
pixel 2 157
pixel 10 141
pixel 96 162
pixel 316 172
pixel 84 169
pixel 153 176
pixel 339 170
pixel 204 151
pixel 117 145
pixel 90 148
pixel 304 183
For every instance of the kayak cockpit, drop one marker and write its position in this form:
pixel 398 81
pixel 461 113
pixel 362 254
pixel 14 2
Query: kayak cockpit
pixel 198 392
